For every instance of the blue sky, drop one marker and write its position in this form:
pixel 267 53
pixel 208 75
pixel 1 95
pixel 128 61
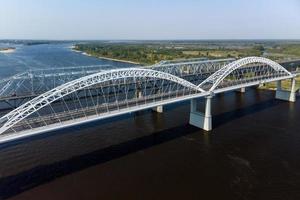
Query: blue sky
pixel 150 19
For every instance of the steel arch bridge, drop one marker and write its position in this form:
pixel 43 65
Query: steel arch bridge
pixel 22 87
pixel 113 92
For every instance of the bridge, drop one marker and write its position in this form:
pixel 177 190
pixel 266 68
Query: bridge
pixel 18 89
pixel 92 94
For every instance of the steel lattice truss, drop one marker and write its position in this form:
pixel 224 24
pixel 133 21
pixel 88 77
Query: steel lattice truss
pixel 202 68
pixel 243 71
pixel 41 80
pixel 20 88
pixel 112 92
pixel 38 81
pixel 58 93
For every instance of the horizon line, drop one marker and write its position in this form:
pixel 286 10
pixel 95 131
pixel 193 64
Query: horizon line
pixel 215 39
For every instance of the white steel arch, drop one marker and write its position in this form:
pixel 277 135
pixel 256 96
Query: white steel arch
pixel 221 74
pixel 22 112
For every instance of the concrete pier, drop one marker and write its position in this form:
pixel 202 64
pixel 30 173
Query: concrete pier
pixel 139 94
pixel 241 90
pixel 201 120
pixel 284 94
pixel 159 109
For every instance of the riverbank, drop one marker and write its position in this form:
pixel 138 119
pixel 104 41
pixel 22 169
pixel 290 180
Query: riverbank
pixel 104 58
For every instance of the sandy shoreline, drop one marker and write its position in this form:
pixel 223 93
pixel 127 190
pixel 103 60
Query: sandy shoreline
pixel 105 58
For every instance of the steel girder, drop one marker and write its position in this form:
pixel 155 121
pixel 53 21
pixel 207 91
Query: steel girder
pixel 32 106
pixel 20 113
pixel 37 81
pixel 221 74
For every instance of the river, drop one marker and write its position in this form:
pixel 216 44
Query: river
pixel 252 152
pixel 46 56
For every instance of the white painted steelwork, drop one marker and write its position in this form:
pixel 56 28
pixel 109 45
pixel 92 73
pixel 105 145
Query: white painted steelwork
pixel 47 98
pixel 221 74
pixel 274 72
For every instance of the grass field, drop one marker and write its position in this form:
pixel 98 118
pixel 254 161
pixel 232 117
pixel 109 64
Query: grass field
pixel 151 52
pixel 148 53
pixel 286 85
pixel 154 52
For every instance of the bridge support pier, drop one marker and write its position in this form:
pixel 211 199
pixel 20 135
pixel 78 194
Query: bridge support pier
pixel 201 120
pixel 242 90
pixel 284 94
pixel 159 109
pixel 139 94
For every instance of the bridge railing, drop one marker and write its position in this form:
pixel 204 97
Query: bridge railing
pixel 113 92
pixel 20 88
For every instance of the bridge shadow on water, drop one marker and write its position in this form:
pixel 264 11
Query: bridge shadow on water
pixel 13 185
pixel 226 117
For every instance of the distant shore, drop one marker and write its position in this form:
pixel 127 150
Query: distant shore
pixel 118 60
pixel 105 58
pixel 7 50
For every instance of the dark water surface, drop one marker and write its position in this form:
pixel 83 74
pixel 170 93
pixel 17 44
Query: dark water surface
pixel 253 151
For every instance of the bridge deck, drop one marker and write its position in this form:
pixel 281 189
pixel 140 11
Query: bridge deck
pixel 123 91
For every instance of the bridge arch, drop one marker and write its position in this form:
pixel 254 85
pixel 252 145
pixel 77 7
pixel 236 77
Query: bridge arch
pixel 216 78
pixel 32 106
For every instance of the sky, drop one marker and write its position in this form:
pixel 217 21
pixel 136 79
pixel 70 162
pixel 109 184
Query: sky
pixel 149 19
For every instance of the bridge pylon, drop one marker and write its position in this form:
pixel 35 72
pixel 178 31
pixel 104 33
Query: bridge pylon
pixel 286 95
pixel 199 119
pixel 158 109
pixel 241 90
